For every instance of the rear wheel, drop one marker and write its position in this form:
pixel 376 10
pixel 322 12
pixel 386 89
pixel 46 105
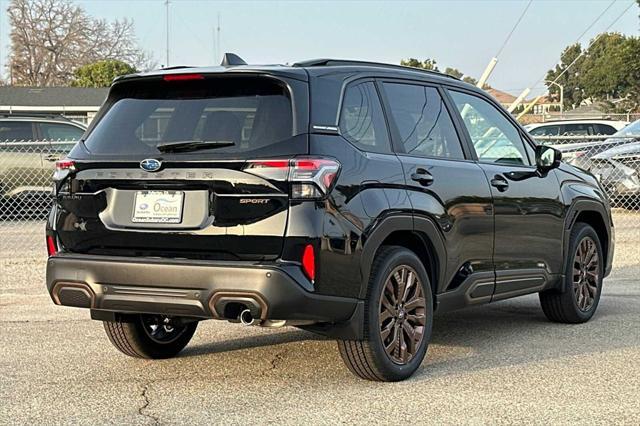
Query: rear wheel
pixel 398 319
pixel 583 280
pixel 150 336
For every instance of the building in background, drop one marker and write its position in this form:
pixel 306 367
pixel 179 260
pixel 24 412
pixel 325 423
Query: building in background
pixel 77 103
pixel 505 99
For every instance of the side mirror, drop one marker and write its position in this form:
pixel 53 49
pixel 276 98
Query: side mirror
pixel 547 158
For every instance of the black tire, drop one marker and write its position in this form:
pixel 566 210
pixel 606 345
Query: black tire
pixel 563 306
pixel 367 358
pixel 133 337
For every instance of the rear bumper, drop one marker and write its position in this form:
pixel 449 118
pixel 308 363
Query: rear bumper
pixel 197 289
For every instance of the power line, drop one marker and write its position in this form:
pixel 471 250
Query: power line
pixel 582 35
pixel 506 40
pixel 596 20
pixel 592 42
pixel 581 53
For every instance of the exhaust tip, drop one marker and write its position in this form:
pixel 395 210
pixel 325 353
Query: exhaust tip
pixel 246 317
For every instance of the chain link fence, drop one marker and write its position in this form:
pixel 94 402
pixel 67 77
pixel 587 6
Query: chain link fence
pixel 26 169
pixel 26 194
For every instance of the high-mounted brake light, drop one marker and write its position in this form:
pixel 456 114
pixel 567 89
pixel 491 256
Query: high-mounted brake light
pixel 312 178
pixel 65 164
pixel 52 247
pixel 309 262
pixel 183 77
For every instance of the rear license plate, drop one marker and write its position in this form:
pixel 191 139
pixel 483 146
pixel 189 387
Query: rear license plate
pixel 158 207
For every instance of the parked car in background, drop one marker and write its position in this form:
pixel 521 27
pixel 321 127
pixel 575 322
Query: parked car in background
pixel 575 128
pixel 618 167
pixel 578 152
pixel 29 128
pixel 29 148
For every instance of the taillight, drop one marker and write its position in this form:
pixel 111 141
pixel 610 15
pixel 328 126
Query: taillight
pixel 65 164
pixel 52 247
pixel 310 175
pixel 311 178
pixel 183 77
pixel 309 262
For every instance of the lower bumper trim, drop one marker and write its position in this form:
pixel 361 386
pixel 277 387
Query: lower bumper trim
pixel 187 288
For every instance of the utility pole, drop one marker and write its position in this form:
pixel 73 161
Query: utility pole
pixel 519 100
pixel 166 5
pixel 487 72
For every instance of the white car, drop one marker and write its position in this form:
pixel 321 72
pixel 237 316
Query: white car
pixel 575 128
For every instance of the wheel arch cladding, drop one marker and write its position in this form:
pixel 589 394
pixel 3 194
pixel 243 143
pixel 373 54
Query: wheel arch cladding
pixel 398 231
pixel 417 243
pixel 595 215
pixel 596 221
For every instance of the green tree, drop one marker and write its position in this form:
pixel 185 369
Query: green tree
pixel 101 73
pixel 611 71
pixel 453 72
pixel 427 64
pixel 608 70
pixel 432 65
pixel 471 80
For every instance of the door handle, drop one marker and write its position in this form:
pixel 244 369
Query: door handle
pixel 499 183
pixel 422 176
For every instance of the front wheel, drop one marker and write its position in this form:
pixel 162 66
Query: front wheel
pixel 398 319
pixel 150 336
pixel 583 280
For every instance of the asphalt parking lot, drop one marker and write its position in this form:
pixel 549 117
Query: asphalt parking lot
pixel 503 363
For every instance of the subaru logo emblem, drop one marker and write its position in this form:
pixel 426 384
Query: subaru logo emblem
pixel 150 165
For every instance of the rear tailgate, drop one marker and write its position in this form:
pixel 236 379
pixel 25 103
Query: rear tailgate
pixel 125 196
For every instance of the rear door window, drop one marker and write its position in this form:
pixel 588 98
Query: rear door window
pixel 546 131
pixel 423 121
pixel 246 115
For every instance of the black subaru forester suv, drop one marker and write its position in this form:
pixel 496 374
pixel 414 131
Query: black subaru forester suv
pixel 347 198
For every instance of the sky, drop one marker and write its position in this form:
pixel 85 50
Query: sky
pixel 460 34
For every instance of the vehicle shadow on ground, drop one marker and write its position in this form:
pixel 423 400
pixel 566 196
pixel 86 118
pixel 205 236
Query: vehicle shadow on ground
pixel 288 335
pixel 508 333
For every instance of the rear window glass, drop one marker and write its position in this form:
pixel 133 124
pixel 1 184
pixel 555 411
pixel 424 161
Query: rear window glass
pixel 249 114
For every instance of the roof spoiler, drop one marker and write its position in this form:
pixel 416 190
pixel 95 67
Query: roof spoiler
pixel 231 59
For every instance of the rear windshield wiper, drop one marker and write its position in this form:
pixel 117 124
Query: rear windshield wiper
pixel 183 146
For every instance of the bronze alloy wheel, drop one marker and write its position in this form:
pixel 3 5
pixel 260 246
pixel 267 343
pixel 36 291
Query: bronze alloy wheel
pixel 402 314
pixel 586 271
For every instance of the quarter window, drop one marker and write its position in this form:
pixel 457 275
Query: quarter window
pixel 495 139
pixel 361 119
pixel 60 132
pixel 423 122
pixel 577 129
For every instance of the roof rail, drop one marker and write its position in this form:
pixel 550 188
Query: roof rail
pixel 329 62
pixel 27 114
